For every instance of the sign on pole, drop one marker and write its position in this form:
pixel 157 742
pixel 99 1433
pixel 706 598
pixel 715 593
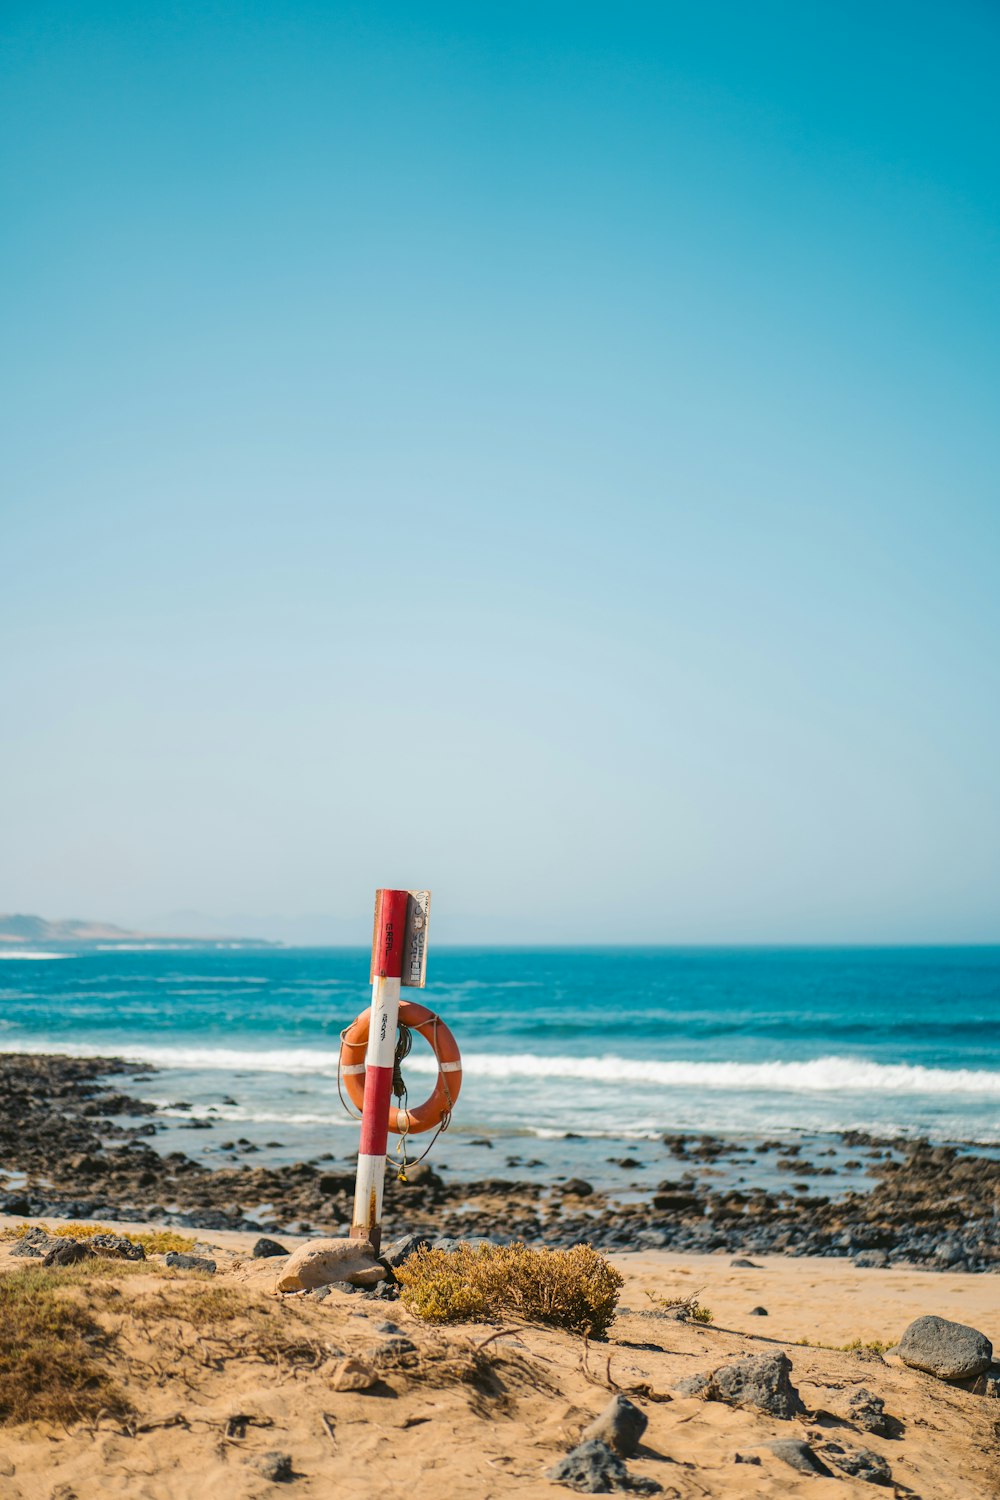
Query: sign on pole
pixel 418 911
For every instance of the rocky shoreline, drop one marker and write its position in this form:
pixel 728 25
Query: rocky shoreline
pixel 66 1153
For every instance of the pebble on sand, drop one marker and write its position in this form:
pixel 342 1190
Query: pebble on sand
pixel 353 1374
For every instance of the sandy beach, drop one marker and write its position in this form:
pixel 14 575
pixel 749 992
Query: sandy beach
pixel 219 1372
pixel 209 1374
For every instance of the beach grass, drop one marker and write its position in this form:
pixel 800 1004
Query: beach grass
pixel 153 1241
pixel 53 1364
pixel 575 1289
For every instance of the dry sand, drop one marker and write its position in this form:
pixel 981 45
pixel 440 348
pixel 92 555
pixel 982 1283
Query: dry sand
pixel 419 1435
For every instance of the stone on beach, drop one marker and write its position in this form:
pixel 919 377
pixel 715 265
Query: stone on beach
pixel 871 1260
pixel 353 1374
pixel 116 1247
pixel 34 1244
pixel 950 1351
pixel 760 1380
pixel 798 1455
pixel 868 1410
pixel 321 1262
pixel 592 1469
pixel 621 1425
pixel 860 1463
pixel 67 1252
pixel 178 1260
pixel 408 1244
pixel 264 1249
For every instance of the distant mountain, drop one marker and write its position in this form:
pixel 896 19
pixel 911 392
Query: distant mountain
pixel 35 932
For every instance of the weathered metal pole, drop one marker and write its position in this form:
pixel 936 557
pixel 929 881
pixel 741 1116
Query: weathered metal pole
pixel 386 975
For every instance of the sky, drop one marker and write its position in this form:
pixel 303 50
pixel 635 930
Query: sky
pixel 543 452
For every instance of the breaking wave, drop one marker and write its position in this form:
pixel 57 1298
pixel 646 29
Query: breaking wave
pixel 821 1075
pixel 28 954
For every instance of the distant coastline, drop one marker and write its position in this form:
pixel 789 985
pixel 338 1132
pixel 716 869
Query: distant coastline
pixel 28 932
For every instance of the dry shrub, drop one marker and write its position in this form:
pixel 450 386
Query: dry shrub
pixel 15 1231
pixel 153 1241
pixel 51 1353
pixel 216 1324
pixel 575 1289
pixel 685 1308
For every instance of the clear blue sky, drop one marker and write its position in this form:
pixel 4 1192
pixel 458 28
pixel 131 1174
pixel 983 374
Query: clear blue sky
pixel 544 452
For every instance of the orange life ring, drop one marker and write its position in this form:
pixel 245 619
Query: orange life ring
pixel 354 1044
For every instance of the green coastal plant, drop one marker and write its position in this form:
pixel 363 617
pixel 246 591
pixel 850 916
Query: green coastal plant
pixel 576 1289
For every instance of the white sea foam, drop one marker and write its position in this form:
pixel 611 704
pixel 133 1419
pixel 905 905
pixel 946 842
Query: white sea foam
pixel 6 953
pixel 821 1075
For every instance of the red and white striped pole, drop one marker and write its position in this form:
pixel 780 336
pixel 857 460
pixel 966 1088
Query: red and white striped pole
pixel 387 972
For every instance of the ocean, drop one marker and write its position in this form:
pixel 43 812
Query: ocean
pixel 570 1056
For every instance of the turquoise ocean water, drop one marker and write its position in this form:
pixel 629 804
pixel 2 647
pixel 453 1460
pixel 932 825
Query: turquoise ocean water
pixel 597 1046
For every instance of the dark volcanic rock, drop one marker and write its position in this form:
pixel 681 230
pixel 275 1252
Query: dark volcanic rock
pixel 67 1252
pixel 408 1244
pixel 871 1260
pixel 868 1410
pixel 265 1248
pixel 951 1351
pixel 116 1247
pixel 693 1385
pixel 621 1425
pixel 179 1261
pixel 592 1469
pixel 860 1463
pixel 35 1244
pixel 762 1380
pixel 799 1455
pixel 676 1203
